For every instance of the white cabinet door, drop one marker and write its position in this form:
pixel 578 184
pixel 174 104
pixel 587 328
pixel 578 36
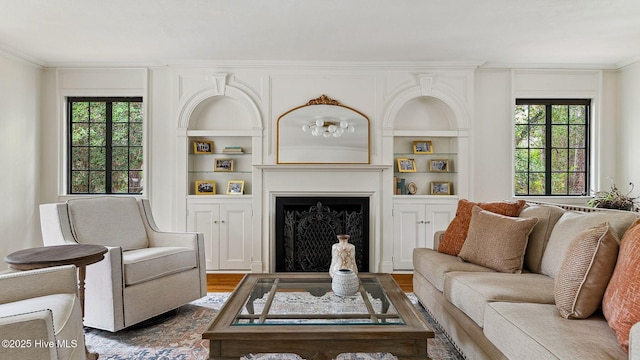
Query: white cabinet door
pixel 235 236
pixel 227 231
pixel 409 232
pixel 414 226
pixel 205 219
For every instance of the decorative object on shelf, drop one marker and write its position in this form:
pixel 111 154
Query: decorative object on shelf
pixel 202 147
pixel 205 187
pixel 223 165
pixel 399 186
pixel 343 256
pixel 328 127
pixel 345 283
pixel 439 165
pixel 412 188
pixel 233 150
pixel 235 187
pixel 613 199
pixel 422 147
pixel 340 134
pixel 406 165
pixel 440 188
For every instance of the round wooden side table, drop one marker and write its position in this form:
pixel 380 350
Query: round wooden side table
pixel 79 255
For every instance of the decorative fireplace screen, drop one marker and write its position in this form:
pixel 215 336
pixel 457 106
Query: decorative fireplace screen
pixel 306 229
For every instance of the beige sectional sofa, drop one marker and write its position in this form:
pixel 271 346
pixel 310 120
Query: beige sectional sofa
pixel 495 315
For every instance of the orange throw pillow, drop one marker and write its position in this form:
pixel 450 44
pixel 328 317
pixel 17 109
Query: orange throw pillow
pixel 621 302
pixel 455 235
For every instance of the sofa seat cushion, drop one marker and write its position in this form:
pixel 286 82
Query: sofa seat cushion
pixel 537 331
pixel 155 262
pixel 471 292
pixel 434 265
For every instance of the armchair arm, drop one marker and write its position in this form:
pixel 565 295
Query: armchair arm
pixel 23 285
pixel 55 225
pixel 24 329
pixel 436 239
pixel 634 342
pixel 104 303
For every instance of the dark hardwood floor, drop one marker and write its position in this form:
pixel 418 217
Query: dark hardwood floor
pixel 227 282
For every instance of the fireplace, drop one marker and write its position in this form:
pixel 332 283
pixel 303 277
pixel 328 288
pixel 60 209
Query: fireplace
pixel 306 229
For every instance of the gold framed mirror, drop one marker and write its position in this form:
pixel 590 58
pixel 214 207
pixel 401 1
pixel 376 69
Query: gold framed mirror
pixel 323 131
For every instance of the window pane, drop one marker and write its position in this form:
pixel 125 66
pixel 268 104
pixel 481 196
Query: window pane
pixel 559 183
pixel 577 114
pixel 97 159
pixel 135 134
pixel 96 182
pixel 522 160
pixel 559 160
pixel 559 136
pixel 577 160
pixel 135 181
pixel 79 112
pixel 120 158
pixel 537 114
pixel 98 111
pixel 577 184
pixel 120 112
pixel 135 158
pixel 522 183
pixel 537 137
pixel 135 112
pixel 80 158
pixel 536 160
pixel 97 135
pixel 120 182
pixel 559 114
pixel 577 136
pixel 536 183
pixel 80 182
pixel 79 134
pixel 120 134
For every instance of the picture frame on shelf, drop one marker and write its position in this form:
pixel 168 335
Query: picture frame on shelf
pixel 440 188
pixel 406 165
pixel 235 187
pixel 439 165
pixel 205 187
pixel 412 188
pixel 202 147
pixel 223 165
pixel 422 147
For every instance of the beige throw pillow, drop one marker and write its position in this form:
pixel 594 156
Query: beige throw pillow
pixel 496 241
pixel 585 272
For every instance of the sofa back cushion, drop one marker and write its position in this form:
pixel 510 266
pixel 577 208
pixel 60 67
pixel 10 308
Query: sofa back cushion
pixel 548 216
pixel 571 224
pixel 109 221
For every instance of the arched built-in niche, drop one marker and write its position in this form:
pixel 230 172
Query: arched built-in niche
pixel 220 113
pixel 425 113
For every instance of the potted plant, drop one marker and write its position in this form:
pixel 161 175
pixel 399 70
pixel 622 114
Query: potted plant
pixel 614 199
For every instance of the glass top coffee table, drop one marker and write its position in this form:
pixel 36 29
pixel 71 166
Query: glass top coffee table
pixel 298 313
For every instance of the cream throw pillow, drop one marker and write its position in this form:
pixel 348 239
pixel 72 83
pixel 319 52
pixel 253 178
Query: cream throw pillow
pixel 496 241
pixel 585 272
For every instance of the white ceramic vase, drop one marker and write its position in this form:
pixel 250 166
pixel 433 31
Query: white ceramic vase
pixel 345 283
pixel 343 256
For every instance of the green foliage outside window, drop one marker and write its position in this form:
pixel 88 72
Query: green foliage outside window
pixel 105 145
pixel 551 147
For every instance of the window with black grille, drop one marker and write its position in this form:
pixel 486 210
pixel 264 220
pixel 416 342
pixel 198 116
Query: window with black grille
pixel 105 145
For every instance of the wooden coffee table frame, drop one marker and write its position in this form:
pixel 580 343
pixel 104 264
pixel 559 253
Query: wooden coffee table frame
pixel 405 341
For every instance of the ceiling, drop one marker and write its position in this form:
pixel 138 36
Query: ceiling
pixel 585 33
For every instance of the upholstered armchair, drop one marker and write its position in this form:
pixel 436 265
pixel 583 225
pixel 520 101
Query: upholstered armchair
pixel 145 272
pixel 40 315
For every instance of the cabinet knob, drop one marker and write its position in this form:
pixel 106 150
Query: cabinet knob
pixel 215 221
pixel 424 222
pixel 222 221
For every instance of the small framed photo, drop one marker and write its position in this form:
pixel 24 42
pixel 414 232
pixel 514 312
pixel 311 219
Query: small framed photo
pixel 202 147
pixel 440 188
pixel 235 187
pixel 223 165
pixel 406 165
pixel 422 147
pixel 439 165
pixel 205 187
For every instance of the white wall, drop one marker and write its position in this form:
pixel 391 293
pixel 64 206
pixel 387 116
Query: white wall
pixel 629 130
pixel 19 159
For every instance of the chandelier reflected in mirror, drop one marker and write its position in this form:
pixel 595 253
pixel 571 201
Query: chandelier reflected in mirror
pixel 328 129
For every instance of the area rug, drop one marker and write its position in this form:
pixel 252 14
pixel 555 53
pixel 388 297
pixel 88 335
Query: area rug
pixel 180 338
